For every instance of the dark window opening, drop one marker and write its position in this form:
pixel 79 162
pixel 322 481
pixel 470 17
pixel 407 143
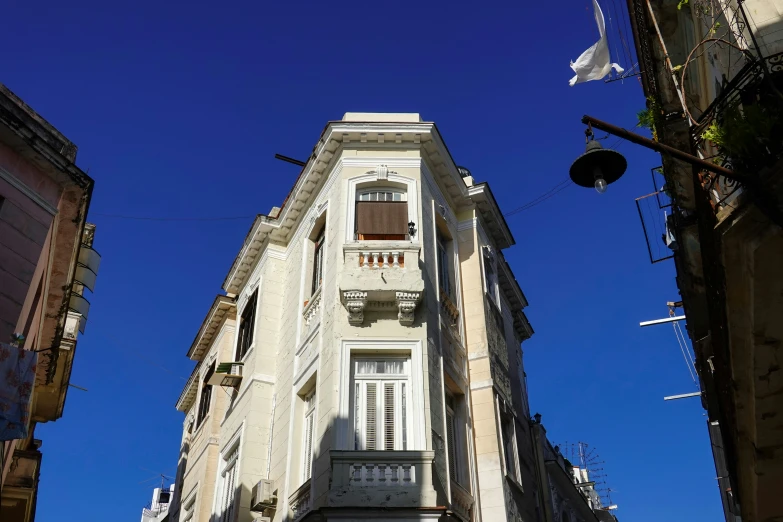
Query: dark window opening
pixel 247 326
pixel 318 262
pixel 206 396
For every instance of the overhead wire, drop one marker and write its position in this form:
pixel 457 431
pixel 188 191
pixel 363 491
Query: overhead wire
pixel 685 353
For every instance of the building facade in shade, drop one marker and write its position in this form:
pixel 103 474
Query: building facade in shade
pixel 46 263
pixel 366 358
pixel 712 74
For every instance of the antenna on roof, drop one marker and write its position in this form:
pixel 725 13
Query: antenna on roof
pixel 290 160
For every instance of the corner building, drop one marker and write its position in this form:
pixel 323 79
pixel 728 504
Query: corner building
pixel 365 362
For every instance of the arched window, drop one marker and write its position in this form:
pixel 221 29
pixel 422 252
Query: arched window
pixel 381 214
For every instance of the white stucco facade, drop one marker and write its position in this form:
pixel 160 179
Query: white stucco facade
pixel 378 370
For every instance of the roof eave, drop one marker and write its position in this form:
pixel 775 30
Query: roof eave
pixel 221 307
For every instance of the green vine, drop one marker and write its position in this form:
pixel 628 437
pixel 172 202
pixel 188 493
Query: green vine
pixel 746 134
pixel 651 117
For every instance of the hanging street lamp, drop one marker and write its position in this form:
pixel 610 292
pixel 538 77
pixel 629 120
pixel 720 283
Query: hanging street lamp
pixel 597 167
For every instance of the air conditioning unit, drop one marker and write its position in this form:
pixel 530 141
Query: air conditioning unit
pixel 227 374
pixel 263 495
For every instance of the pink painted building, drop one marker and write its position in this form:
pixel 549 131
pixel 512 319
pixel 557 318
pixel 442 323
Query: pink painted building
pixel 46 262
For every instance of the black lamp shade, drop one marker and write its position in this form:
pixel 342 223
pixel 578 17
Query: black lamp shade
pixel 597 162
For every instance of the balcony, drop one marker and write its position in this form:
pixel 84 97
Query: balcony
pixel 461 501
pixel 381 276
pixel 300 502
pixel 382 479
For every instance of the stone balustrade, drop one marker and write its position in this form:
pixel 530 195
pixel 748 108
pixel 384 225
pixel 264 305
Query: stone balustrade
pixel 387 478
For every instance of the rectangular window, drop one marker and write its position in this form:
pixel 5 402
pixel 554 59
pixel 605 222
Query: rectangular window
pixel 206 396
pixel 227 498
pixel 381 215
pixel 307 443
pixel 247 325
pixel 318 262
pixel 381 404
pixel 444 272
pixel 510 448
pixel 451 438
pixel 491 280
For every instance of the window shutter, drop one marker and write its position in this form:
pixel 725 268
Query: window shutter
pixel 382 217
pixel 370 418
pixel 308 463
pixel 450 440
pixel 388 421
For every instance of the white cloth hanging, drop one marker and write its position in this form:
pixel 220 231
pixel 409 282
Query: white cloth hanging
pixel 594 63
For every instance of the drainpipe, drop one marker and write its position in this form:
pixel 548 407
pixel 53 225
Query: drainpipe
pixel 669 66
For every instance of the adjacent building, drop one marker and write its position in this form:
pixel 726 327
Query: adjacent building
pixel 365 360
pixel 46 262
pixel 712 74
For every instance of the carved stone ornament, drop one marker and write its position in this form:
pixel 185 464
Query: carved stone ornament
pixel 382 172
pixel 355 303
pixel 406 305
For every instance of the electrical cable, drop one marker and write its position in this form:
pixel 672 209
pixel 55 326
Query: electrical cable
pixel 543 197
pixel 685 356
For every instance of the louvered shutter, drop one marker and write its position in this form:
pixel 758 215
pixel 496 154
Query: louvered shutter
pixel 371 421
pixel 389 424
pixel 308 460
pixel 451 441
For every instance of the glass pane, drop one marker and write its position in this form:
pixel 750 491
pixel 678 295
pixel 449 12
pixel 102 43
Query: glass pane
pixel 404 419
pixel 395 366
pixel 371 419
pixel 357 441
pixel 373 196
pixel 397 197
pixel 389 425
pixel 366 366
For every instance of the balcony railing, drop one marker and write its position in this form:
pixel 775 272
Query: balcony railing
pixel 381 469
pixel 300 502
pixel 391 259
pixel 461 501
pixel 746 89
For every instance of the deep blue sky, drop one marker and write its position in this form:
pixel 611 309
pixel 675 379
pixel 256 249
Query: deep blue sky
pixel 178 111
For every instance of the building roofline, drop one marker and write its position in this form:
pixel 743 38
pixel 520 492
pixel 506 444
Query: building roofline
pixel 335 135
pixel 218 312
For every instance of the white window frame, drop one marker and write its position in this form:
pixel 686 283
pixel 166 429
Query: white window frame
pixel 444 270
pixel 380 349
pixel 230 459
pixel 492 287
pixel 454 420
pixel 392 419
pixel 510 448
pixel 308 435
pixel 368 182
pixel 382 190
pixel 189 505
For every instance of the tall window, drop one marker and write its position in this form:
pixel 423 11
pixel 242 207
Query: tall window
pixel 381 214
pixel 247 325
pixel 381 403
pixel 318 261
pixel 205 397
pixel 444 272
pixel 307 443
pixel 490 275
pixel 510 447
pixel 228 479
pixel 452 431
